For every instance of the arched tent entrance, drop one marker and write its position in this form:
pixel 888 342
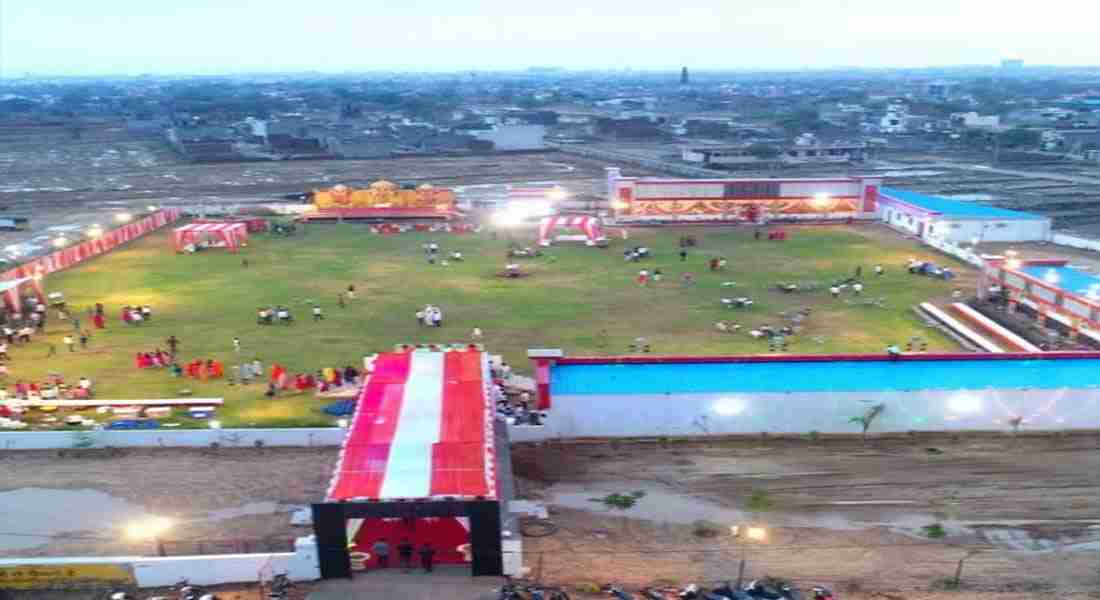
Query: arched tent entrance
pixel 219 235
pixel 12 289
pixel 590 226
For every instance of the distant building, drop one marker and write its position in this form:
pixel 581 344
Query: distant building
pixel 684 76
pixel 1012 64
pixel 892 122
pixel 717 156
pixel 514 137
pixel 972 120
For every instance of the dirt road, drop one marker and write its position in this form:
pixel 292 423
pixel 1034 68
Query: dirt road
pixel 896 515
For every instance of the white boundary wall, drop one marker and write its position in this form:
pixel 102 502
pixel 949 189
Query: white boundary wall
pixel 1063 239
pixel 300 565
pixel 650 415
pixel 171 438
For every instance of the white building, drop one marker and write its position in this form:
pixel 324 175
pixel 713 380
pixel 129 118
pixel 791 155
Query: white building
pixel 514 137
pixel 972 120
pixel 892 122
pixel 956 221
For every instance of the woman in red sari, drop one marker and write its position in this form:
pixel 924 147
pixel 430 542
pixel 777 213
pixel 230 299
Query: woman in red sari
pixel 98 320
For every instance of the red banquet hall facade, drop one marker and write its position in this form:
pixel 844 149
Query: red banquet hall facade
pixel 654 200
pixel 418 463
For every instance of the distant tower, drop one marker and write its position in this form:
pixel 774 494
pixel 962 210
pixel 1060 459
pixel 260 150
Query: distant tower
pixel 684 76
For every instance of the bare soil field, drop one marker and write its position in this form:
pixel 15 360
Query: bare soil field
pixel 897 514
pixel 223 497
pixel 44 165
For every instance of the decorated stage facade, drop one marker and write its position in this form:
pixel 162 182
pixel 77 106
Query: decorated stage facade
pixel 647 396
pixel 650 199
pixel 383 200
pixel 419 463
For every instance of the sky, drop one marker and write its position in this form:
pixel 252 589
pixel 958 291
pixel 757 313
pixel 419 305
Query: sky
pixel 92 37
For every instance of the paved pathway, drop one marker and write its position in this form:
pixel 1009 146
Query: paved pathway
pixel 446 583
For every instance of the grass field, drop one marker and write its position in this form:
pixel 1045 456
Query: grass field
pixel 572 294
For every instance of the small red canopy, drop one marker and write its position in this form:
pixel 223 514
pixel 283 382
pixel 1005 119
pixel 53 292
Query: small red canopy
pixel 227 235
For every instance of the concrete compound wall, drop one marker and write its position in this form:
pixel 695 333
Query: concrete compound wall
pixel 578 416
pixel 1062 239
pixel 300 565
pixel 171 438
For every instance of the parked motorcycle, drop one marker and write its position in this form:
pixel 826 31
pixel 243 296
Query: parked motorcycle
pixel 772 589
pixel 280 587
pixel 619 594
pixel 186 591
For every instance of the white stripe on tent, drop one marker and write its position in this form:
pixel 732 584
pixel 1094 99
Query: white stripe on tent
pixel 409 468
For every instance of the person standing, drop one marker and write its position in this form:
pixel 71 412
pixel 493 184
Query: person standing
pixel 69 342
pixel 84 335
pixel 172 344
pixel 317 314
pixel 683 255
pixel 4 351
pixel 405 554
pixel 237 345
pixel 381 550
pixel 427 557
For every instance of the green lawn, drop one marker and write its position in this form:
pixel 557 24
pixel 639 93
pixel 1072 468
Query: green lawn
pixel 572 294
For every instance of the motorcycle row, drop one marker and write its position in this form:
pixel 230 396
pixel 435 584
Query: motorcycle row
pixel 279 589
pixel 755 590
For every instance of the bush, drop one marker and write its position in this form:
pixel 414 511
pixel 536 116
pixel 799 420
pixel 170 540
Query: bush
pixel 706 529
pixel 620 501
pixel 758 501
pixel 934 531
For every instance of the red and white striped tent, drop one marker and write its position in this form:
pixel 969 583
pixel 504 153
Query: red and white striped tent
pixel 589 225
pixel 11 289
pixel 423 430
pixel 228 235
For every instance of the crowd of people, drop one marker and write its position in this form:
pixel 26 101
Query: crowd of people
pixel 54 388
pixel 136 315
pixel 269 316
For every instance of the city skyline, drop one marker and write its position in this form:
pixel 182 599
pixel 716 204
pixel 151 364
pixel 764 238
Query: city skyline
pixel 125 37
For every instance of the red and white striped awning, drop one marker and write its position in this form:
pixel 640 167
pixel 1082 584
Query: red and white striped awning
pixel 211 227
pixel 423 428
pixel 232 235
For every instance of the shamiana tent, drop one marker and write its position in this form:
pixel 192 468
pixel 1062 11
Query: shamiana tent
pixel 228 235
pixel 422 431
pixel 12 288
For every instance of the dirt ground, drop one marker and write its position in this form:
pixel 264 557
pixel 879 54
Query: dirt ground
pixel 45 165
pixel 1019 511
pixel 224 498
